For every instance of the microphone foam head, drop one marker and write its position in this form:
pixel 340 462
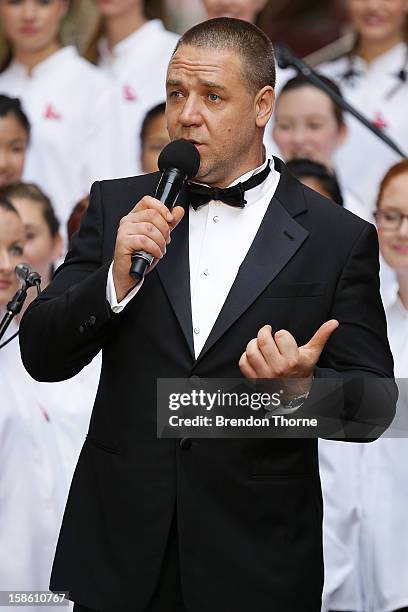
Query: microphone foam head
pixel 180 154
pixel 22 270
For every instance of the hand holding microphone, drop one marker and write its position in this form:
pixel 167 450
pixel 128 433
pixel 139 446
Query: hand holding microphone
pixel 144 233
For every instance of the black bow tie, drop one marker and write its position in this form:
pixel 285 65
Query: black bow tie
pixel 234 196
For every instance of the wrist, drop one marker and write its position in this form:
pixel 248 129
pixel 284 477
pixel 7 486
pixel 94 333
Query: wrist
pixel 122 288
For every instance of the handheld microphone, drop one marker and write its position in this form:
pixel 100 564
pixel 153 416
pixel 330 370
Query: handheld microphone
pixel 178 162
pixel 27 275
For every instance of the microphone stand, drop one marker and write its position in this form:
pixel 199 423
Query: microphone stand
pixel 287 58
pixel 14 307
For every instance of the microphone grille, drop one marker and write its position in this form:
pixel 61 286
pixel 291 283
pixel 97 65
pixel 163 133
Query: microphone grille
pixel 180 154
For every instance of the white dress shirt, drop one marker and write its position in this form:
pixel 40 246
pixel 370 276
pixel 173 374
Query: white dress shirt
pixel 365 490
pixel 137 69
pixel 33 484
pixel 42 429
pixel 69 104
pixel 382 97
pixel 220 236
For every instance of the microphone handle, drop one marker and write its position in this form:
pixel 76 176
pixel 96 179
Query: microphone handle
pixel 167 191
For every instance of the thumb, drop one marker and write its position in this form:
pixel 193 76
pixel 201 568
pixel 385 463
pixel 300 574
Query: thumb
pixel 321 337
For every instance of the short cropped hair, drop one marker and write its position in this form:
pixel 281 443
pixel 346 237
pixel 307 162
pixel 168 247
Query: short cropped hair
pixel 254 47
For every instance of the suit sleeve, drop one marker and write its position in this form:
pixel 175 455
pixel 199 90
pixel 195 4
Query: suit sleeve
pixel 357 360
pixel 66 326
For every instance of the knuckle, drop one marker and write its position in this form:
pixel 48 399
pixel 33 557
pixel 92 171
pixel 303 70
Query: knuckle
pixel 249 348
pixel 292 363
pixel 263 340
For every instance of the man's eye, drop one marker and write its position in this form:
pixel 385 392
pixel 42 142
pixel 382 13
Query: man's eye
pixel 175 94
pixel 391 216
pixel 214 97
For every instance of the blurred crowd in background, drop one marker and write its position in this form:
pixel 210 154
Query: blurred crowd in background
pixel 82 98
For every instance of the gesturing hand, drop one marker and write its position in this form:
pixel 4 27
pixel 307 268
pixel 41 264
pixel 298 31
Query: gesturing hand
pixel 279 356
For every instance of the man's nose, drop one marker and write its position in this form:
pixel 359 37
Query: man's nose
pixel 191 112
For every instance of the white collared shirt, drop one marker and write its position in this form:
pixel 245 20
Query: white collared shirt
pixel 219 237
pixel 370 93
pixel 69 104
pixel 137 68
pixel 365 490
pixel 42 430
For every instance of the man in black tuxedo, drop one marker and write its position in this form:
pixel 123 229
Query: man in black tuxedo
pixel 206 524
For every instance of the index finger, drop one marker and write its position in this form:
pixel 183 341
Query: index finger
pixel 148 202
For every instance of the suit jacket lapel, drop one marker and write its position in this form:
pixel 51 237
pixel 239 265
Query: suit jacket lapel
pixel 174 273
pixel 277 240
pixel 279 237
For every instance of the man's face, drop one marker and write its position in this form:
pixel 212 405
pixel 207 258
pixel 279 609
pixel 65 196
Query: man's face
pixel 209 103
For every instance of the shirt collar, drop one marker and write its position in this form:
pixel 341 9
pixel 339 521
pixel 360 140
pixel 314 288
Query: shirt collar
pixel 46 65
pixel 392 59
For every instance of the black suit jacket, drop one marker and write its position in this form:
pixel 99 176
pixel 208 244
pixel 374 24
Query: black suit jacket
pixel 249 512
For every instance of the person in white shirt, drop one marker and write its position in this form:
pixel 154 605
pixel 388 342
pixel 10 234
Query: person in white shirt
pixel 69 403
pixel 14 138
pixel 33 486
pixel 365 487
pixel 309 125
pixel 133 51
pixel 373 78
pixel 68 102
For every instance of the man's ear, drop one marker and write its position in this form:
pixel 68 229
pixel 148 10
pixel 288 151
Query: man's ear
pixel 264 103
